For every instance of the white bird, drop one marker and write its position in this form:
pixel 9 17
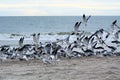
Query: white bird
pixel 46 59
pixel 21 42
pixel 76 26
pixel 38 37
pixel 34 39
pixel 85 19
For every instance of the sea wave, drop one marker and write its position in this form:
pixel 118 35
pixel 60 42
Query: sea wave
pixel 13 38
pixel 27 36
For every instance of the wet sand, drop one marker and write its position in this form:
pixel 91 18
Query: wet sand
pixel 87 68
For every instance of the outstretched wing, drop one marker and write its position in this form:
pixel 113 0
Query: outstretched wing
pixel 117 26
pixel 114 22
pixel 76 27
pixel 34 39
pixel 88 18
pixel 67 39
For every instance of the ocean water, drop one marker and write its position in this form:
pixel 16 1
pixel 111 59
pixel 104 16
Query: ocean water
pixel 35 24
pixel 13 27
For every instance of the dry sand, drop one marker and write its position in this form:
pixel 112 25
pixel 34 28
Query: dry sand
pixel 92 68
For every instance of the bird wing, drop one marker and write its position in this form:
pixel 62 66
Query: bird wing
pixel 21 42
pixel 38 36
pixel 88 18
pixel 117 26
pixel 76 27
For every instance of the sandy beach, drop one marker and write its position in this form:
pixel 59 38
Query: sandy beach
pixel 86 68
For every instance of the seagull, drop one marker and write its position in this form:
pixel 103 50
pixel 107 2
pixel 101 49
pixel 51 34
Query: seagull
pixel 23 58
pixel 116 42
pixel 38 37
pixel 117 34
pixel 48 48
pixel 34 38
pixel 88 52
pixel 21 42
pixel 112 48
pixel 85 19
pixel 76 27
pixel 3 51
pixel 113 25
pixel 98 47
pixel 46 59
pixel 67 39
pixel 55 52
pixel 86 41
pixel 102 32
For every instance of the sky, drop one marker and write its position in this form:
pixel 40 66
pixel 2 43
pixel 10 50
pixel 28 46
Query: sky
pixel 59 7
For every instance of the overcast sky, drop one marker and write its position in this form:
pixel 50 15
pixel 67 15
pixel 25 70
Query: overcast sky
pixel 59 7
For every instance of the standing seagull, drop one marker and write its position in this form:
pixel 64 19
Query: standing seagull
pixel 85 19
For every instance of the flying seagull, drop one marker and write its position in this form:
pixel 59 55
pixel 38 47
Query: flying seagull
pixel 85 19
pixel 113 25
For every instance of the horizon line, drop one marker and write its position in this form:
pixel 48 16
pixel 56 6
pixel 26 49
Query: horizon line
pixel 51 15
